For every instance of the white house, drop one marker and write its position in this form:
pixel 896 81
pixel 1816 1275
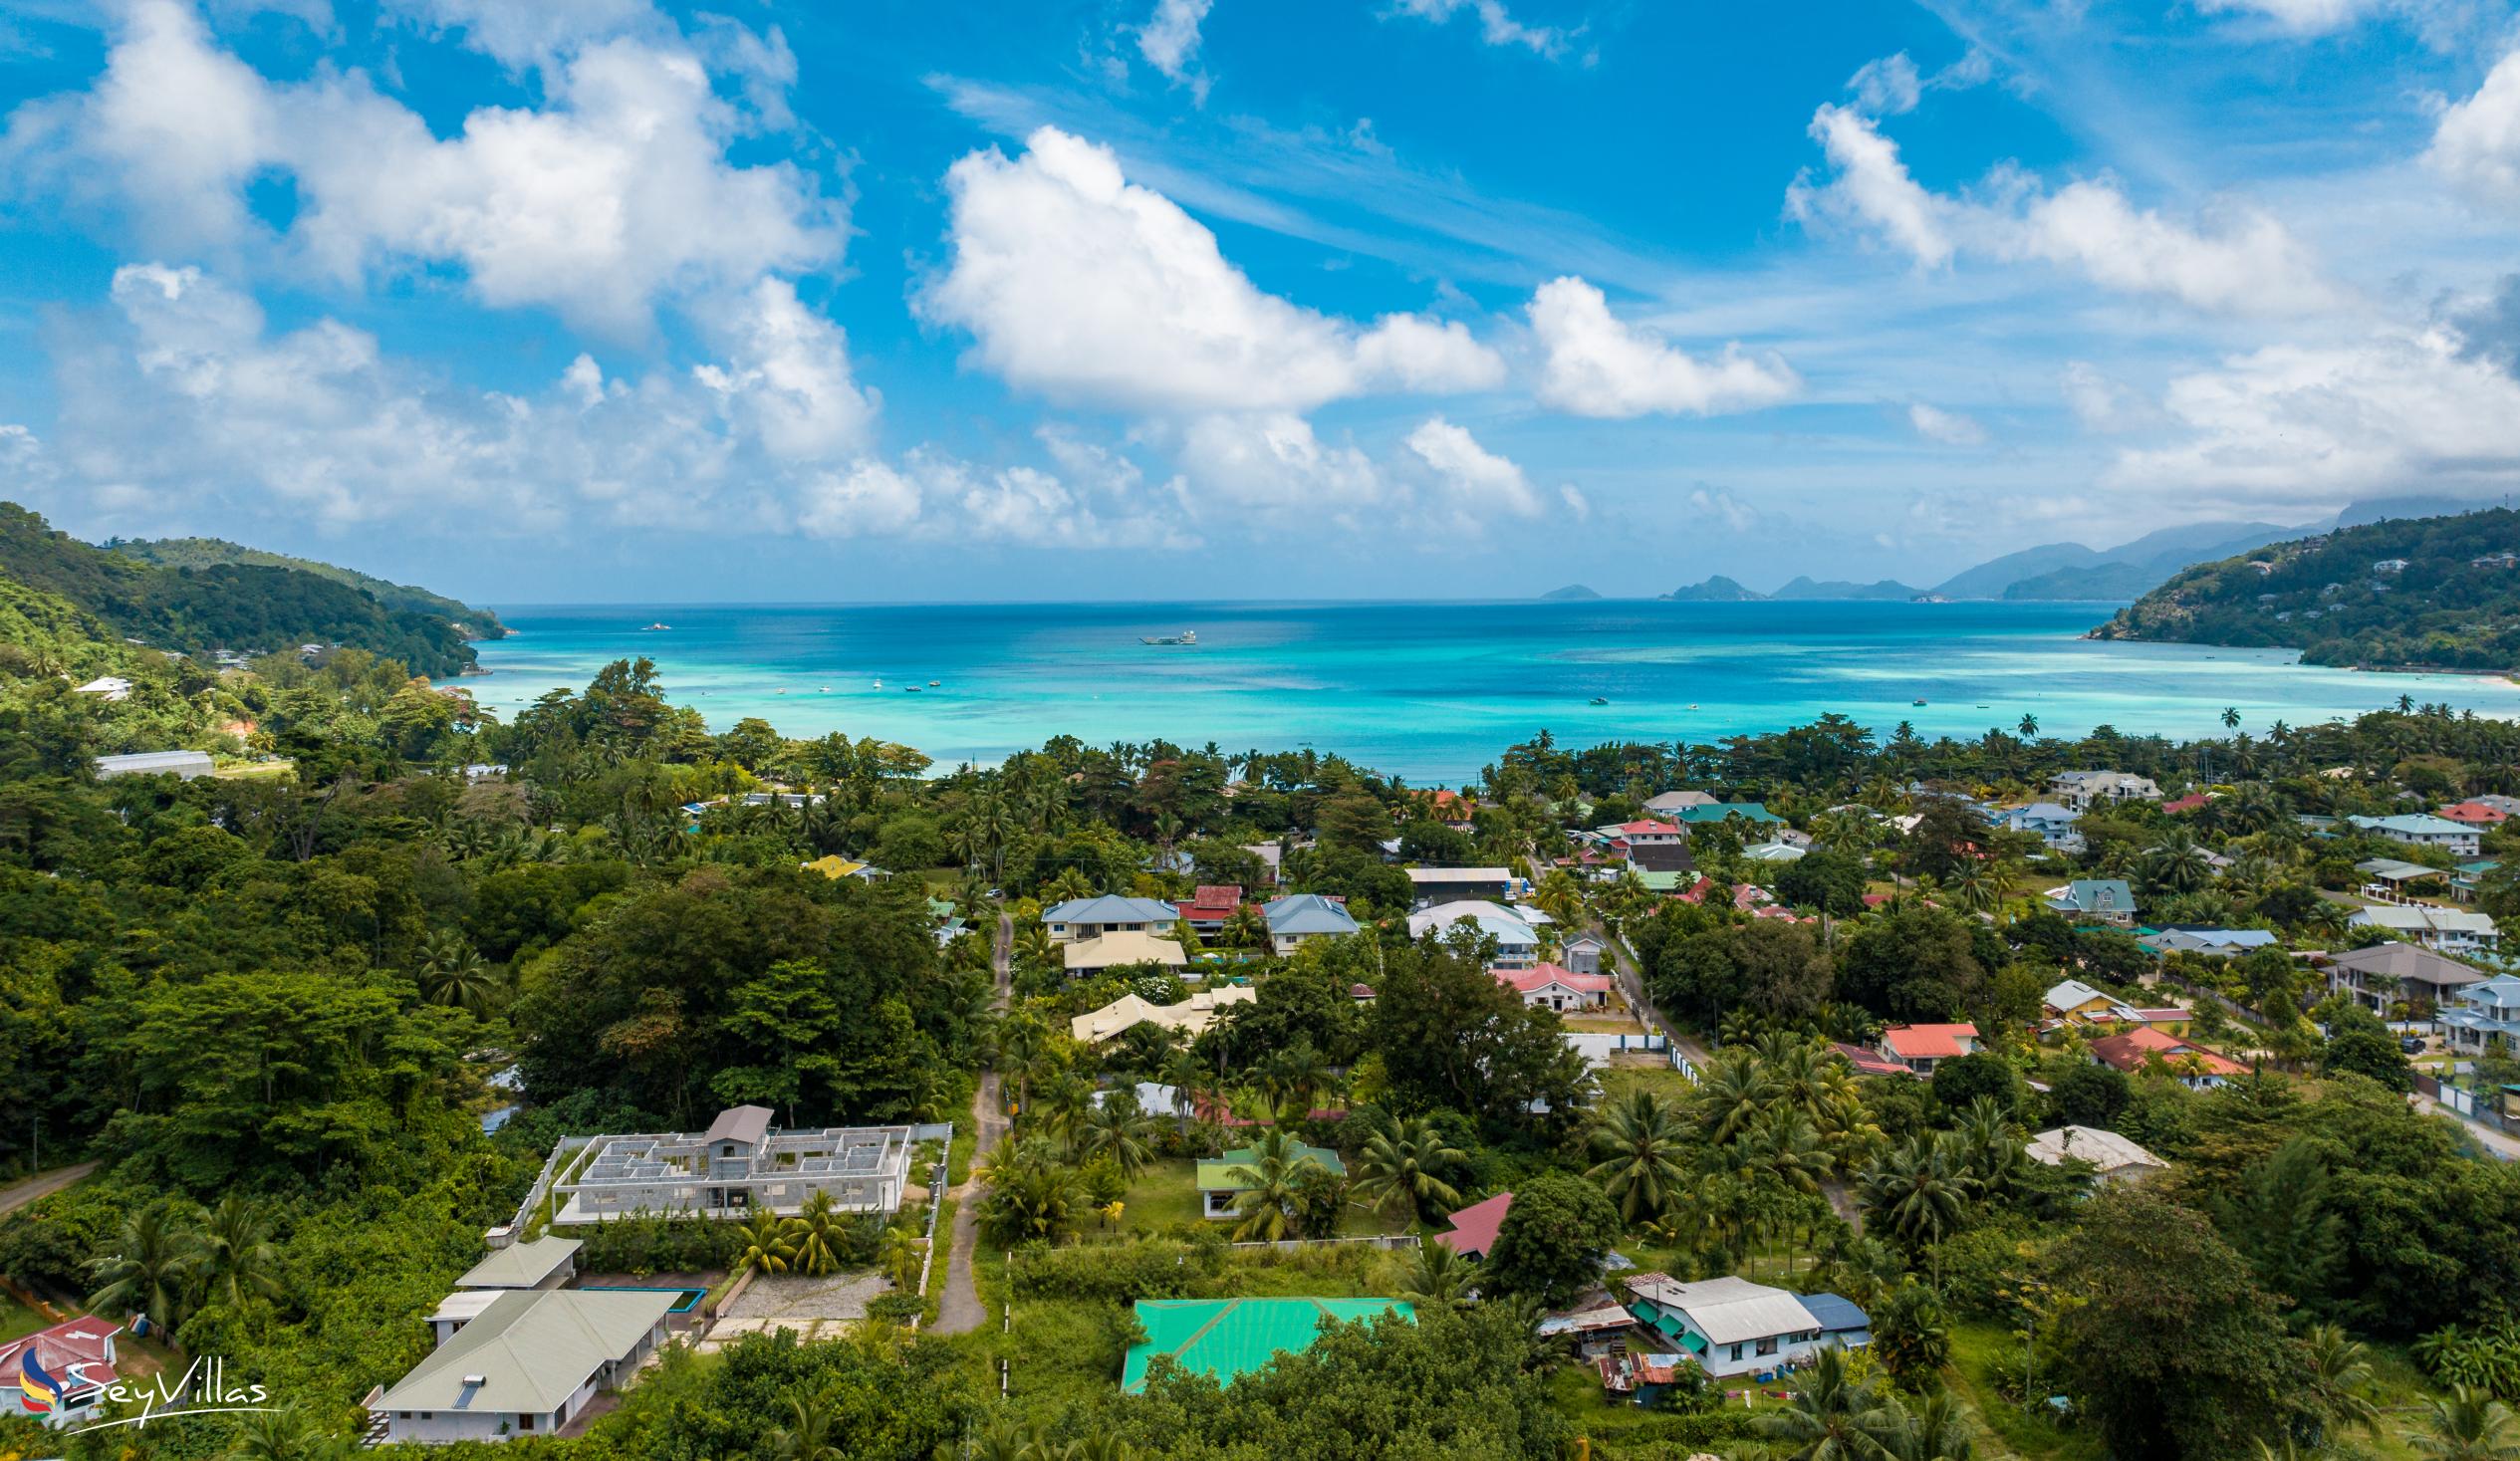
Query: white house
pixel 2481 1012
pixel 1552 986
pixel 526 1365
pixel 1731 1325
pixel 2379 977
pixel 2422 830
pixel 1671 803
pixel 2119 1159
pixel 184 765
pixel 740 1165
pixel 1120 947
pixel 1923 1047
pixel 1517 941
pixel 1093 917
pixel 1581 952
pixel 2079 789
pixel 2053 821
pixel 1298 917
pixel 107 686
pixel 2450 930
pixel 1429 885
pixel 77 1358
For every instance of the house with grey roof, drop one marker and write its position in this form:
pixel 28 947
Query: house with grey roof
pixel 2451 930
pixel 527 1364
pixel 2424 830
pixel 1298 917
pixel 1670 804
pixel 2387 974
pixel 1731 1325
pixel 1448 884
pixel 2079 789
pixel 2053 821
pixel 1517 938
pixel 185 765
pixel 545 1263
pixel 740 1165
pixel 2480 1012
pixel 2109 899
pixel 1093 917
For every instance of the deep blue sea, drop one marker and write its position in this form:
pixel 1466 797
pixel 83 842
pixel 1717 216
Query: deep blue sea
pixel 1432 691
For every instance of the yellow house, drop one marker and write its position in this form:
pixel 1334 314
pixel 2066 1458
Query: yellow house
pixel 2078 1003
pixel 836 866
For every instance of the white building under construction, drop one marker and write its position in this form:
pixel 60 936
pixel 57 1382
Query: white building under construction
pixel 738 1166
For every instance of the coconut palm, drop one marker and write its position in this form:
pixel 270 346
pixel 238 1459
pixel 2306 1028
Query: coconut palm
pixel 2470 1425
pixel 766 1244
pixel 1934 1429
pixel 2340 1378
pixel 1641 1145
pixel 1731 1093
pixel 2178 863
pixel 820 1236
pixel 451 972
pixel 237 1259
pixel 1403 1162
pixel 1832 1416
pixel 808 1434
pixel 1920 1190
pixel 1117 1128
pixel 2230 717
pixel 1438 1277
pixel 151 1271
pixel 903 1256
pixel 1272 1186
pixel 2029 726
pixel 284 1434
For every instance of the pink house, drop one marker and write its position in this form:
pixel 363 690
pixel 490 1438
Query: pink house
pixel 1556 987
pixel 1923 1047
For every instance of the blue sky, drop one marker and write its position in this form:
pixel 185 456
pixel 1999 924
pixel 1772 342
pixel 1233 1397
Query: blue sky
pixel 615 299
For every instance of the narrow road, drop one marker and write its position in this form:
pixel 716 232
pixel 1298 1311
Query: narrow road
pixel 2487 1137
pixel 1630 981
pixel 959 1311
pixel 43 1184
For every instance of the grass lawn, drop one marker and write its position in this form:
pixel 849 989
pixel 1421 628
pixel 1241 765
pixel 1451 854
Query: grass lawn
pixel 1603 1024
pixel 1163 1200
pixel 1619 1080
pixel 17 1320
pixel 1975 1349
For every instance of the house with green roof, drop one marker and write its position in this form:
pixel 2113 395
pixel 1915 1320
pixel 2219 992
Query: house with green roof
pixel 1724 811
pixel 1230 1338
pixel 1219 1185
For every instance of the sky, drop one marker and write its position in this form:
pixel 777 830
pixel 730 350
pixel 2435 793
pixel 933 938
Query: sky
pixel 888 300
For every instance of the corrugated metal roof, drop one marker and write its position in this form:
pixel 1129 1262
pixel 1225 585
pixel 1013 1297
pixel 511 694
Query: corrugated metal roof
pixel 1728 1311
pixel 520 1266
pixel 1227 1338
pixel 533 1349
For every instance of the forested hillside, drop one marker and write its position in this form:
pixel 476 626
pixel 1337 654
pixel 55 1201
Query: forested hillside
pixel 201 553
pixel 223 605
pixel 2438 591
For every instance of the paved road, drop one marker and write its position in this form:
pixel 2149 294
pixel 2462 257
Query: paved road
pixel 959 1311
pixel 42 1185
pixel 2492 1140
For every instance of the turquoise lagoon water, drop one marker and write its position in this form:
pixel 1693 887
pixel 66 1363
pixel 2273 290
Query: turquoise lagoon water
pixel 1431 691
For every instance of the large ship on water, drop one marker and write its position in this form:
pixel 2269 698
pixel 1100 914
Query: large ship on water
pixel 1187 639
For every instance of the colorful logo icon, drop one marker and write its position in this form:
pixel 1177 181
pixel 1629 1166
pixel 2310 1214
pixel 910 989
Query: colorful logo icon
pixel 38 1390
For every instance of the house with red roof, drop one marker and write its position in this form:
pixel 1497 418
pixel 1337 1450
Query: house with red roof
pixel 1920 1048
pixel 2474 814
pixel 1866 1063
pixel 2195 1067
pixel 77 1358
pixel 1556 987
pixel 1209 907
pixel 1474 1228
pixel 2187 804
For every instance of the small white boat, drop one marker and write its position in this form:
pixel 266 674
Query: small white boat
pixel 653 627
pixel 879 683
pixel 932 684
pixel 1187 639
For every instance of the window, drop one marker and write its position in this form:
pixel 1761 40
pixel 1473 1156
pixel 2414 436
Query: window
pixel 525 1422
pixel 1736 1351
pixel 1768 1345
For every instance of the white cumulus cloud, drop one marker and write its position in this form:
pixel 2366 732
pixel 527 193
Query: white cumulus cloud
pixel 1475 484
pixel 1594 364
pixel 1950 428
pixel 2476 144
pixel 1170 37
pixel 1085 287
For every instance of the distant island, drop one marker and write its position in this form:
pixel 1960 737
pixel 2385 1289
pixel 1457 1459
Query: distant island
pixel 1571 593
pixel 2437 593
pixel 1717 590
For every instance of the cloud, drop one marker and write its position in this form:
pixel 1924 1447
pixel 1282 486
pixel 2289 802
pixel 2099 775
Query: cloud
pixel 2302 17
pixel 1170 37
pixel 2476 144
pixel 1497 26
pixel 1723 507
pixel 2442 24
pixel 1576 502
pixel 869 499
pixel 1085 287
pixel 1474 484
pixel 2319 422
pixel 1948 428
pixel 1891 86
pixel 533 34
pixel 615 194
pixel 2249 264
pixel 1271 462
pixel 1596 366
pixel 789 374
pixel 2098 402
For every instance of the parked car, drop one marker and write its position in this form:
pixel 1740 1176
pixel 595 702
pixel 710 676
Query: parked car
pixel 2410 1043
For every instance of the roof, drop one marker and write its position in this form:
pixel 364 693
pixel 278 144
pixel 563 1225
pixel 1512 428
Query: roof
pixel 523 1265
pixel 1927 1042
pixel 1677 800
pixel 1298 913
pixel 2042 812
pixel 1541 976
pixel 1191 1016
pixel 2134 1049
pixel 465 1304
pixel 532 1349
pixel 2422 917
pixel 2394 869
pixel 2188 803
pixel 1718 811
pixel 2072 994
pixel 1230 1337
pixel 1220 897
pixel 835 865
pixel 1459 875
pixel 1473 1231
pixel 1110 908
pixel 2407 961
pixel 153 760
pixel 2090 895
pixel 80 1343
pixel 2474 812
pixel 1836 1313
pixel 745 1123
pixel 2104 1149
pixel 2237 938
pixel 2413 824
pixel 1646 829
pixel 1492 918
pixel 1866 1063
pixel 1215 1173
pixel 1123 946
pixel 1727 1311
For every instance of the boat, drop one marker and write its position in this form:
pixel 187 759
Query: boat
pixel 1919 700
pixel 1693 705
pixel 878 682
pixel 656 626
pixel 1597 700
pixel 1187 639
pixel 910 690
pixel 932 684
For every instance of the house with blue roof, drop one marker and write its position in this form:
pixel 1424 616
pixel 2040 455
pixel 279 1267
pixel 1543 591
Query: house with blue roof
pixel 2052 823
pixel 1082 918
pixel 1298 917
pixel 2108 900
pixel 1731 1325
pixel 2479 1013
pixel 2422 830
pixel 1724 812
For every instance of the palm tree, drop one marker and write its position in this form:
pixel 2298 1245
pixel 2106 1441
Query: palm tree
pixel 1641 1145
pixel 819 1238
pixel 2471 1425
pixel 1272 1183
pixel 1977 886
pixel 766 1246
pixel 1400 1161
pixel 1439 1277
pixel 151 1273
pixel 1920 1189
pixel 807 1437
pixel 1935 1430
pixel 1730 1095
pixel 453 972
pixel 2029 726
pixel 1244 929
pixel 1182 1071
pixel 903 1255
pixel 2230 717
pixel 2178 863
pixel 1117 1128
pixel 236 1255
pixel 1832 1418
pixel 2340 1378
pixel 282 1435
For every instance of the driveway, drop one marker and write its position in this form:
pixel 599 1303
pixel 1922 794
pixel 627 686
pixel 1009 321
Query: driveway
pixel 958 1309
pixel 43 1184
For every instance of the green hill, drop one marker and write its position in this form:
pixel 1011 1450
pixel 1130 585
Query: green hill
pixel 221 605
pixel 2441 593
pixel 201 553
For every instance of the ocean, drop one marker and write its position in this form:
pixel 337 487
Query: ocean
pixel 1428 690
